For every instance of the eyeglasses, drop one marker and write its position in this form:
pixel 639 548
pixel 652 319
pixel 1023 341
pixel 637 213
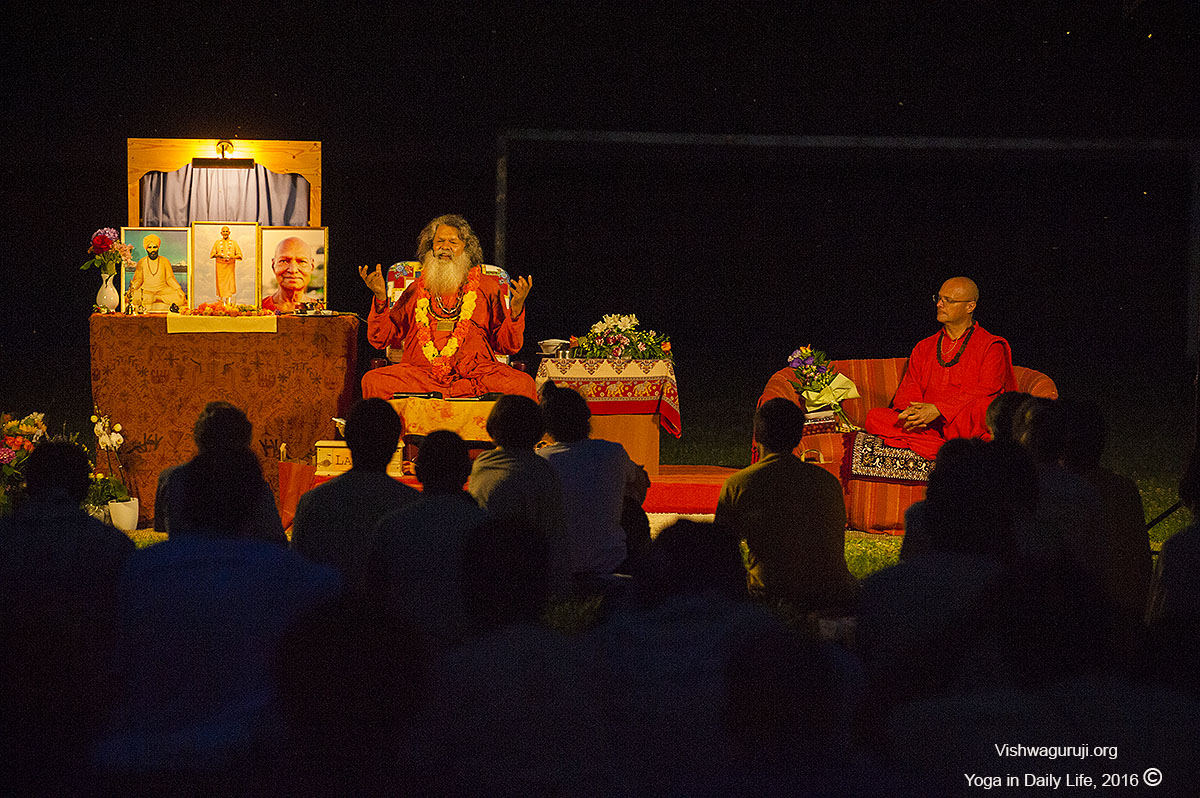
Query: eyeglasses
pixel 938 299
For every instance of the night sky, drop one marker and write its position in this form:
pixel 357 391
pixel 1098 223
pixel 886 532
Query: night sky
pixel 740 253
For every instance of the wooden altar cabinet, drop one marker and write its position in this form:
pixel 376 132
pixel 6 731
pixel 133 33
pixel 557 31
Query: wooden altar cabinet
pixel 291 383
pixel 629 400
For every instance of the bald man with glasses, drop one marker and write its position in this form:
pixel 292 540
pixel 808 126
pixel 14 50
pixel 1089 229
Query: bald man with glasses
pixel 951 378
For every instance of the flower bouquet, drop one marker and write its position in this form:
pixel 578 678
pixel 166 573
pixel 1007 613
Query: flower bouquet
pixel 108 254
pixel 619 337
pixel 820 385
pixel 17 438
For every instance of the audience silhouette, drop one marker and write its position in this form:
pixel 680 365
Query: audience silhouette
pixel 414 573
pixel 512 482
pixel 603 489
pixel 58 600
pixel 200 618
pixel 336 522
pixel 419 643
pixel 219 427
pixel 792 516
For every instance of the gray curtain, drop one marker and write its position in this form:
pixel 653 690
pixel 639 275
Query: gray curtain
pixel 176 199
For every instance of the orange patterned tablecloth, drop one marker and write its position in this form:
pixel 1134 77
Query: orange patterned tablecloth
pixel 290 383
pixel 620 387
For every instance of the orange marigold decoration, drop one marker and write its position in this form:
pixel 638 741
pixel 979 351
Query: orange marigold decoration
pixel 440 360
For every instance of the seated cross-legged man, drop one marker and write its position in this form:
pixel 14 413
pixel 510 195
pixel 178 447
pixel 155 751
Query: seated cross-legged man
pixel 951 378
pixel 452 322
pixel 335 522
pixel 791 515
pixel 599 484
pixel 512 482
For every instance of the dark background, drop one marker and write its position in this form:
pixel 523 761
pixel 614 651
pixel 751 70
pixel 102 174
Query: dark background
pixel 740 253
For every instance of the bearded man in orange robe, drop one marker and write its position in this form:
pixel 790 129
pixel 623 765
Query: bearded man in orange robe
pixel 951 378
pixel 452 321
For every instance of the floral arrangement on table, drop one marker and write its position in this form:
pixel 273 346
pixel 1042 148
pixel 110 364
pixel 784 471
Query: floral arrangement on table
pixel 111 487
pixel 617 336
pixel 221 309
pixel 108 254
pixel 819 383
pixel 17 439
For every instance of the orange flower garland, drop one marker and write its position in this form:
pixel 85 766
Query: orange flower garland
pixel 440 360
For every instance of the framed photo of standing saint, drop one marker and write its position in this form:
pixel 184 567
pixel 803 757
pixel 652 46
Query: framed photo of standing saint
pixel 159 276
pixel 294 267
pixel 224 265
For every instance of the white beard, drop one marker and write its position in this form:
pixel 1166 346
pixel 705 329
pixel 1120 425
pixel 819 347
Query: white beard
pixel 444 276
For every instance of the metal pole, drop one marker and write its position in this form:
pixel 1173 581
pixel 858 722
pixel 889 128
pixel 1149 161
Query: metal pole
pixel 499 253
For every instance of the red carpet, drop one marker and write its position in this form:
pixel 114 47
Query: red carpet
pixel 682 489
pixel 689 489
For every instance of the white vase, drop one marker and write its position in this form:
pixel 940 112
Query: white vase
pixel 124 514
pixel 107 296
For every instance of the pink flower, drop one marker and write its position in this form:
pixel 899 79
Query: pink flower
pixel 7 455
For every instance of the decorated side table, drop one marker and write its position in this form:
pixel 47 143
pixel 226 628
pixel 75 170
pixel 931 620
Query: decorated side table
pixel 629 400
pixel 290 381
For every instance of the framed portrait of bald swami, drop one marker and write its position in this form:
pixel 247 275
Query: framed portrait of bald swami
pixel 158 277
pixel 224 263
pixel 294 267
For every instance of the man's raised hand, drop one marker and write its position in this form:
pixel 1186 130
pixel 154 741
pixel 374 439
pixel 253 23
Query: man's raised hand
pixel 520 289
pixel 374 280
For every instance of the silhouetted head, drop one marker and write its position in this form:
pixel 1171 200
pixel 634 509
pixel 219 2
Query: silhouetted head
pixel 444 462
pixel 505 573
pixel 1001 411
pixel 515 422
pixel 779 425
pixel 372 432
pixel 1040 426
pixel 976 492
pixel 1054 623
pixel 568 418
pixel 784 697
pixel 57 466
pixel 220 492
pixel 222 426
pixel 690 557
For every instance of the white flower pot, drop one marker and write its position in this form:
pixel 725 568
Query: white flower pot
pixel 124 514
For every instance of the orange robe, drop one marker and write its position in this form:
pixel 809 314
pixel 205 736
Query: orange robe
pixel 962 393
pixel 226 252
pixel 156 290
pixel 474 370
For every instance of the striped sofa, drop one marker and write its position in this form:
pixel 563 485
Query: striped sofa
pixel 875 506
